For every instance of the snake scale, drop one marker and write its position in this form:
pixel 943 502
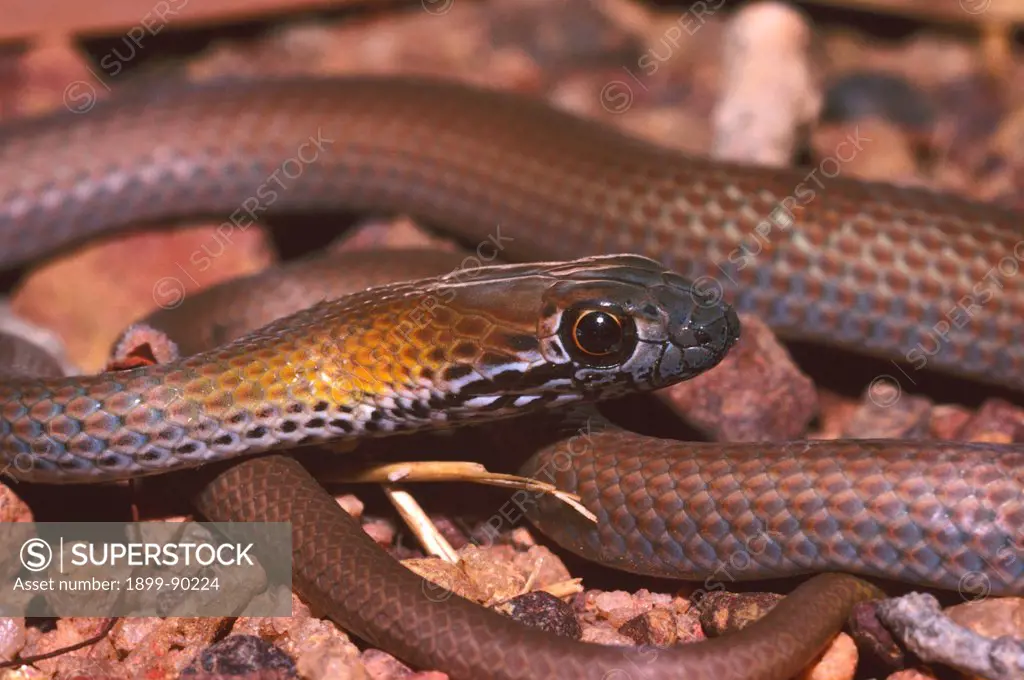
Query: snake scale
pixel 911 275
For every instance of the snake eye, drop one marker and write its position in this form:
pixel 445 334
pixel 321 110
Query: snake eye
pixel 600 335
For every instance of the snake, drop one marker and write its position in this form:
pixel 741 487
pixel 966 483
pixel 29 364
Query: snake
pixel 923 278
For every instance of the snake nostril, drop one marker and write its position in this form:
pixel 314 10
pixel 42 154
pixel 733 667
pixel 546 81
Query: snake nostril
pixel 701 336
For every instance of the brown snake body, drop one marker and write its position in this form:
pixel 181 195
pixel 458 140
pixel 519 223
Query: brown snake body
pixel 911 275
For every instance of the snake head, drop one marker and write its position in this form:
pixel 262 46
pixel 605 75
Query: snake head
pixel 500 341
pixel 628 324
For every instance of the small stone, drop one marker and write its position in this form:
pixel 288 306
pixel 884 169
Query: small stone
pixel 542 610
pixel 656 627
pixel 125 637
pixel 380 665
pixel 991 618
pixel 351 504
pixel 320 649
pixel 170 645
pixel 835 411
pixel 605 603
pixel 599 635
pixel 646 599
pixel 889 413
pixel 688 627
pixel 618 607
pixel 381 531
pixel 274 627
pixel 331 658
pixel 948 421
pixel 722 612
pixel 757 393
pixel 12 637
pixel 12 508
pixel 242 655
pixel 997 421
pixel 839 661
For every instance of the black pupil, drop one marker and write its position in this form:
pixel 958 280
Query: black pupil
pixel 598 333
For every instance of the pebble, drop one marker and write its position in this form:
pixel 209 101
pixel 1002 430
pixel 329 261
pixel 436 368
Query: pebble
pixel 616 606
pixel 722 612
pixel 730 402
pixel 600 635
pixel 888 413
pixel 542 610
pixel 12 508
pixel 864 95
pixel 351 504
pixel 381 531
pixel 169 646
pixel 12 636
pixel 656 627
pixel 839 662
pixel 948 421
pixel 240 656
pixel 991 618
pixel 997 421
pixel 380 665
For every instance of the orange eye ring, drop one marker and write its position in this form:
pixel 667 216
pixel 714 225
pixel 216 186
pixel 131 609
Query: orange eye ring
pixel 598 333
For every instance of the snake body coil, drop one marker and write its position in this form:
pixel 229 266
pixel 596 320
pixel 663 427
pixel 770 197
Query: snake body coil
pixel 914 276
pixel 917 276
